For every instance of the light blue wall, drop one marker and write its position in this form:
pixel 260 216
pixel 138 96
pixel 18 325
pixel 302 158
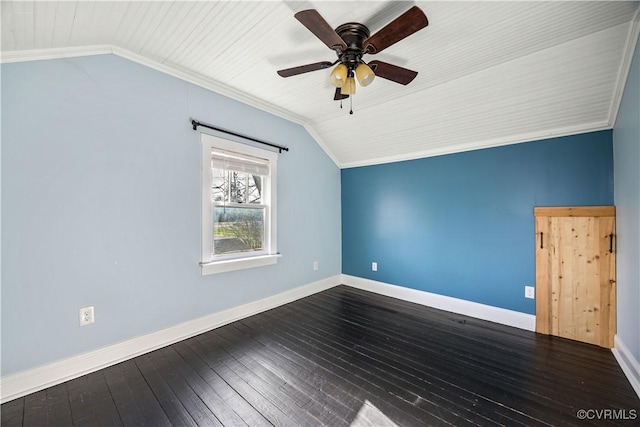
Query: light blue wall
pixel 626 147
pixel 462 225
pixel 101 206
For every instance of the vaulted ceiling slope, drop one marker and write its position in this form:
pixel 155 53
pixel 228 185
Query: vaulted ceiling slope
pixel 490 73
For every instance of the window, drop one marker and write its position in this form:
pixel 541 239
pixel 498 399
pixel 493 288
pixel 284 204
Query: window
pixel 238 206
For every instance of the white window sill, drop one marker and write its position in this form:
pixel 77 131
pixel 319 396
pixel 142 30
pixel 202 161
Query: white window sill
pixel 238 264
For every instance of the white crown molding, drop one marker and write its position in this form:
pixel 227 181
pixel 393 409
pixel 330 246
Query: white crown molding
pixel 53 53
pixel 215 86
pixel 198 80
pixel 314 134
pixel 227 91
pixel 627 362
pixel 210 84
pixel 29 381
pixel 479 145
pixel 625 68
pixel 441 302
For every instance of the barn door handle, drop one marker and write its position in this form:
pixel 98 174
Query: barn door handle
pixel 541 240
pixel 611 243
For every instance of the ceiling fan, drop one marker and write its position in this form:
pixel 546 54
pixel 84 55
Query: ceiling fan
pixel 351 41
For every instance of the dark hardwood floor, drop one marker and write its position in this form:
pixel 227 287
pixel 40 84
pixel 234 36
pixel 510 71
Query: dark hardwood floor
pixel 347 357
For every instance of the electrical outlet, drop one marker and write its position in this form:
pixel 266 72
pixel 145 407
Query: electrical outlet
pixel 315 266
pixel 374 266
pixel 529 292
pixel 86 316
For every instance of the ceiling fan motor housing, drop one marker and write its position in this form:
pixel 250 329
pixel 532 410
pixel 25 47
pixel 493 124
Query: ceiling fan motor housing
pixel 353 34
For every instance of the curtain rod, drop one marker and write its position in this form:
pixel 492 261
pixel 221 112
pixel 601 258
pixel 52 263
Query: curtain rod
pixel 196 123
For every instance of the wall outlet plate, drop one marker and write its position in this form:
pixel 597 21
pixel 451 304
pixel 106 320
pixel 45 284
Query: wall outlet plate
pixel 86 316
pixel 315 265
pixel 374 266
pixel 529 292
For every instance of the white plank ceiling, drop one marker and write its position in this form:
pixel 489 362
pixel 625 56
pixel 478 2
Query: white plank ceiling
pixel 490 73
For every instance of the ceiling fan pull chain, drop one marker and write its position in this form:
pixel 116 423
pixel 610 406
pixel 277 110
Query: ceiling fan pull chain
pixel 351 104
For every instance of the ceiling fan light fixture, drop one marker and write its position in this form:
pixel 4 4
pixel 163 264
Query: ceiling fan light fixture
pixel 349 86
pixel 364 74
pixel 339 75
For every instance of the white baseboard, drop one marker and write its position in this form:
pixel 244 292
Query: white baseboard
pixel 22 383
pixel 627 362
pixel 454 305
pixel 629 365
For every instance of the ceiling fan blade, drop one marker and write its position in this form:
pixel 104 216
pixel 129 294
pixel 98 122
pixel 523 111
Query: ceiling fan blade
pixel 315 23
pixel 339 96
pixel 392 72
pixel 288 72
pixel 403 26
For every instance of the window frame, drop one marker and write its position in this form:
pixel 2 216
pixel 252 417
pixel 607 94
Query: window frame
pixel 209 263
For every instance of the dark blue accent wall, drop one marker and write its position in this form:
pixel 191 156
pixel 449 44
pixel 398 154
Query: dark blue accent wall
pixel 462 225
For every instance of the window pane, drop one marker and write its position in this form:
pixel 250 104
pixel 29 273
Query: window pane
pixel 218 185
pixel 237 230
pixel 254 191
pixel 228 160
pixel 236 187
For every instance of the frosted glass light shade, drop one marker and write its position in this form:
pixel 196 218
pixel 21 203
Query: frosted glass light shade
pixel 338 75
pixel 349 86
pixel 364 74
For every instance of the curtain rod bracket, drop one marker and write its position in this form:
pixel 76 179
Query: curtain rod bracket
pixel 195 124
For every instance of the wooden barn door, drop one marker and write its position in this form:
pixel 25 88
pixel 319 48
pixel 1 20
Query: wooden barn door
pixel 575 273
